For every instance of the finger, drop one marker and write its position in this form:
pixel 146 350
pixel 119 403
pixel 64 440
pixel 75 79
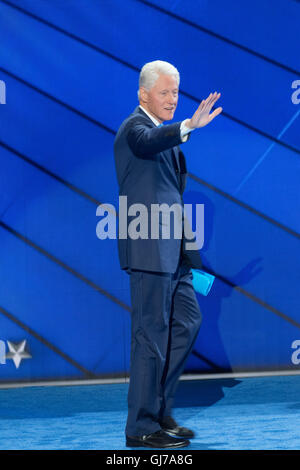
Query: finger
pixel 209 99
pixel 200 107
pixel 202 104
pixel 215 113
pixel 213 100
pixel 215 96
pixel 208 103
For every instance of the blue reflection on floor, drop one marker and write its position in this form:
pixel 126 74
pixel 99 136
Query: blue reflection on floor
pixel 249 413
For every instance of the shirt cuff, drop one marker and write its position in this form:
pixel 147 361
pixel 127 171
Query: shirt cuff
pixel 184 131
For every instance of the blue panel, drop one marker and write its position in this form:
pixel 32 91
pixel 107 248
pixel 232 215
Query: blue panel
pixel 238 334
pixel 275 181
pixel 275 23
pixel 226 155
pixel 243 248
pixel 44 363
pixel 63 67
pixel 249 84
pixel 58 139
pixel 78 151
pixel 63 223
pixel 249 251
pixel 64 310
pixel 292 132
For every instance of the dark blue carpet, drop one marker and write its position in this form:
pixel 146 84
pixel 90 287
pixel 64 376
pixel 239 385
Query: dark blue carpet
pixel 248 413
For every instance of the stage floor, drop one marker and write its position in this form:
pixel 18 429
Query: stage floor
pixel 227 414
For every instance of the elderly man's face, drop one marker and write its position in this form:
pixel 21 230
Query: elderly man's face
pixel 161 99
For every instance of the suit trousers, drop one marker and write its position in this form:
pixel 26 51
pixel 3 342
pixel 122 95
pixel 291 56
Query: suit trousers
pixel 164 325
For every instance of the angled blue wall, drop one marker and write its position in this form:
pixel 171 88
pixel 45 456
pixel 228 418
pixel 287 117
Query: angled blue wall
pixel 71 75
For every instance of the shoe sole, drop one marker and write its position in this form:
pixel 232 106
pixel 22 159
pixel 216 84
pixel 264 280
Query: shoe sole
pixel 187 436
pixel 142 444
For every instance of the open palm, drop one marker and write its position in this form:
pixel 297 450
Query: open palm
pixel 202 115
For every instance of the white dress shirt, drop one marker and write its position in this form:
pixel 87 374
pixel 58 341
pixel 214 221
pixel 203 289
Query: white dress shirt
pixel 184 130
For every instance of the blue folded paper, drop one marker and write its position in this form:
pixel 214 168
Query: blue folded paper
pixel 202 281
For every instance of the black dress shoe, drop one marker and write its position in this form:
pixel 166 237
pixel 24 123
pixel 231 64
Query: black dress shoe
pixel 156 439
pixel 169 425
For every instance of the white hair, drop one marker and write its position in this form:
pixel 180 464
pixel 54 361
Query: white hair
pixel 150 72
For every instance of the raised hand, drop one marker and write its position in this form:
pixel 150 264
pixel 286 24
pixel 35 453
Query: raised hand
pixel 201 116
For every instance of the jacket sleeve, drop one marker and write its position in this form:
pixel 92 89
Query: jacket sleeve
pixel 144 140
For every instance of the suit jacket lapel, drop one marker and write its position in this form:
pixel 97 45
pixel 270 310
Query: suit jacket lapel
pixel 140 111
pixel 174 150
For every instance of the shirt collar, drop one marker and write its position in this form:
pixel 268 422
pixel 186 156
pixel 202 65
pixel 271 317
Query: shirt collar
pixel 155 121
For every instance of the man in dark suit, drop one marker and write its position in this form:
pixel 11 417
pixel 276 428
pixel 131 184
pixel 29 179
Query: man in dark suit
pixel 151 172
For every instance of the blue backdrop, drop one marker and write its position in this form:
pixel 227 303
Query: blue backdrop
pixel 70 70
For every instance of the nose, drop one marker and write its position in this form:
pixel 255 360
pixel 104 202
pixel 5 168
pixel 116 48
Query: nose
pixel 172 100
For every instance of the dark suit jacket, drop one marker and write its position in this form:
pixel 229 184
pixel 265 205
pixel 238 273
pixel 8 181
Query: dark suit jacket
pixel 151 169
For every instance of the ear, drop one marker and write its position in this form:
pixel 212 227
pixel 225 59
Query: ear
pixel 143 95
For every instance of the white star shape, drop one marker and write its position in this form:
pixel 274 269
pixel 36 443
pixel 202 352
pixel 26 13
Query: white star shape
pixel 17 352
